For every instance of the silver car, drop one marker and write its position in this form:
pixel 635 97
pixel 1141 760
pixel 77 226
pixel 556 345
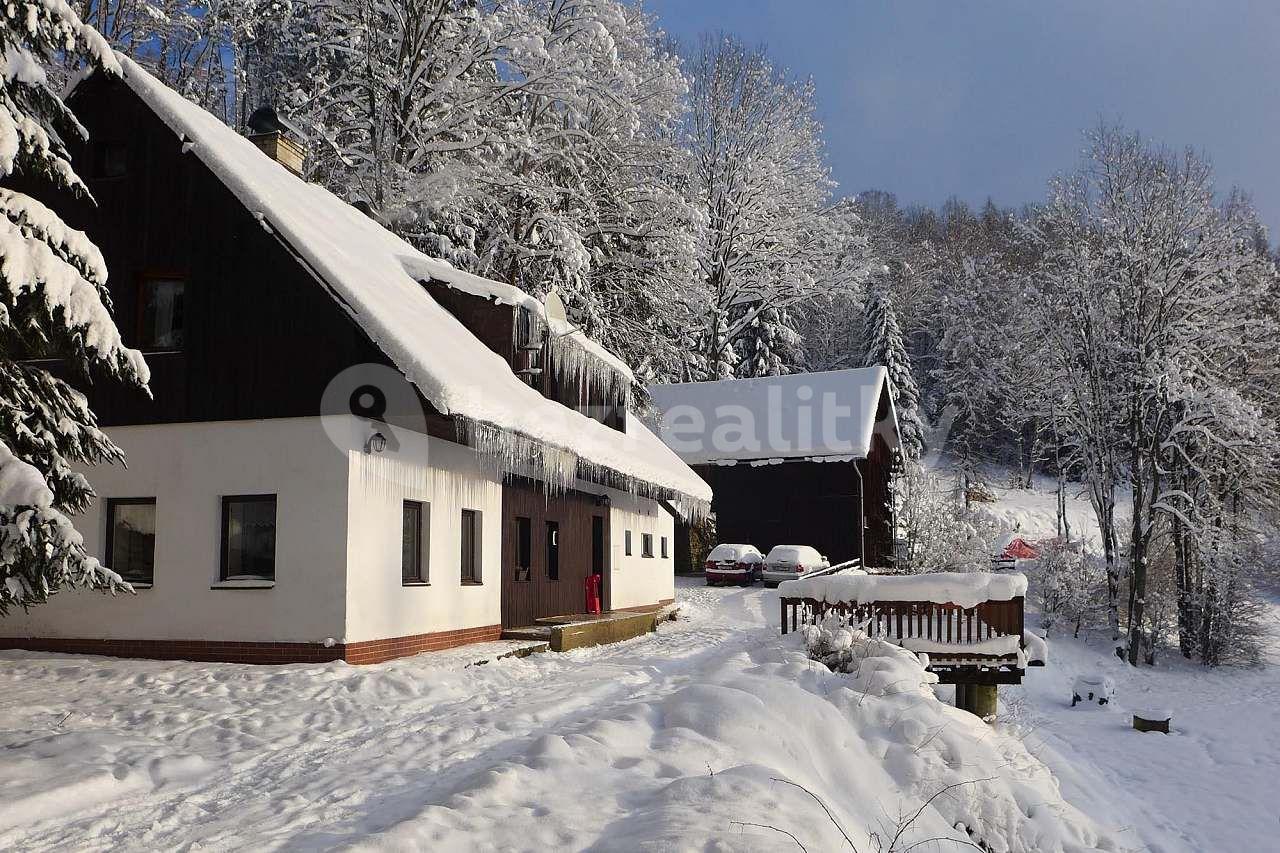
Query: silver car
pixel 788 562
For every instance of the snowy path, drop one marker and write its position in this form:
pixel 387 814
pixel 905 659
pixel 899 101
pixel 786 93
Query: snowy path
pixel 310 756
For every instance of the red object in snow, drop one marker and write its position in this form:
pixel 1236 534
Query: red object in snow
pixel 1020 549
pixel 593 593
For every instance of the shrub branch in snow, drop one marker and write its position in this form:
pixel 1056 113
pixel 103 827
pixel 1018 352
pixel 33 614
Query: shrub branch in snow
pixel 53 303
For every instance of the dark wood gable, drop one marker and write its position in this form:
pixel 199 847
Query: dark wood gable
pixel 495 326
pixel 262 336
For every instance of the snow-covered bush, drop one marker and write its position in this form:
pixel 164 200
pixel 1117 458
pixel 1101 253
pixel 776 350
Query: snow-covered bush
pixel 939 532
pixel 1069 586
pixel 874 663
pixel 979 492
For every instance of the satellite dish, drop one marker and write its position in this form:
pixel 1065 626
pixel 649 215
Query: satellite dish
pixel 554 306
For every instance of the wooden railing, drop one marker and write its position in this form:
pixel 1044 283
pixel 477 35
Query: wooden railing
pixel 896 620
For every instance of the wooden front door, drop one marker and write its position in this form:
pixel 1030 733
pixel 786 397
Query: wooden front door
pixel 600 555
pixel 549 547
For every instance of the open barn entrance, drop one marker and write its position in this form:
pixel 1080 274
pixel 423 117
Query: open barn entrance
pixel 550 545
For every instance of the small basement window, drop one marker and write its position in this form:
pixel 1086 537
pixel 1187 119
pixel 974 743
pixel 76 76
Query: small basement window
pixel 470 538
pixel 131 538
pixel 249 537
pixel 415 536
pixel 524 548
pixel 162 320
pixel 553 550
pixel 626 543
pixel 646 545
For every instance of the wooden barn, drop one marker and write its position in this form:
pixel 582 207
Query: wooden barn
pixel 351 450
pixel 803 459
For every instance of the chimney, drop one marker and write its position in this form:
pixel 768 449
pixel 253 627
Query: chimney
pixel 279 139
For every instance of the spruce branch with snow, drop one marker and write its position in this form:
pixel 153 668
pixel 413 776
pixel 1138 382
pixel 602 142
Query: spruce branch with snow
pixel 53 304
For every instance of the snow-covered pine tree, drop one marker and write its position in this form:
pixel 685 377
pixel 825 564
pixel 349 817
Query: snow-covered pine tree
pixel 53 303
pixel 768 344
pixel 884 345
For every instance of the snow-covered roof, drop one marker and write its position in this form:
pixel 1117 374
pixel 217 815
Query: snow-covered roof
pixel 822 416
pixel 377 277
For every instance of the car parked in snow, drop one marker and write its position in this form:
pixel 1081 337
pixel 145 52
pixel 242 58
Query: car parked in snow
pixel 788 562
pixel 730 563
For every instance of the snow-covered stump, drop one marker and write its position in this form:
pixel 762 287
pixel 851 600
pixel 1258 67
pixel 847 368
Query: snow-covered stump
pixel 1152 721
pixel 1092 687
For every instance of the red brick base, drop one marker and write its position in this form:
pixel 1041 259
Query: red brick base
pixel 376 651
pixel 368 651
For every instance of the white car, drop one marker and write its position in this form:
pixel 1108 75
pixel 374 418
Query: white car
pixel 788 562
pixel 729 563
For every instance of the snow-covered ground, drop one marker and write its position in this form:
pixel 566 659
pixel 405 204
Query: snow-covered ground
pixel 682 740
pixel 672 741
pixel 1208 786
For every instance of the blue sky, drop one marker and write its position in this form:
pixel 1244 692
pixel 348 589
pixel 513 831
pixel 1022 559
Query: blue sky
pixel 934 99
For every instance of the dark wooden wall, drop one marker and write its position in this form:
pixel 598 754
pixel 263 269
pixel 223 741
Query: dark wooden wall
pixel 877 472
pixel 523 601
pixel 262 337
pixel 792 503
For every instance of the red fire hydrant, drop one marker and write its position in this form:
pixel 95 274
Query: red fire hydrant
pixel 593 593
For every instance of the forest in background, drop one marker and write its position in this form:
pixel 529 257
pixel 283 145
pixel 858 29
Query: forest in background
pixel 1118 334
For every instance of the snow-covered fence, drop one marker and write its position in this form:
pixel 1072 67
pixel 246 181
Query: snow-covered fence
pixel 969 624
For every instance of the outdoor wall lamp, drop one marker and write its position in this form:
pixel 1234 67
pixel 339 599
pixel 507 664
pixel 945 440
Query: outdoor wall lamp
pixel 376 443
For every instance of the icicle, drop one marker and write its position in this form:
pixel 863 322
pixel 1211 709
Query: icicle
pixel 558 469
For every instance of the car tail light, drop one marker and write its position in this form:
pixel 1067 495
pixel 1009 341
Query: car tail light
pixel 799 569
pixel 711 566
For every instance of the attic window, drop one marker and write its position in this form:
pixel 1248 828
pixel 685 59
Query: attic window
pixel 107 159
pixel 528 345
pixel 161 314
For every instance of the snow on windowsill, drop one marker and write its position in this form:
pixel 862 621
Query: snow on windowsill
pixel 244 583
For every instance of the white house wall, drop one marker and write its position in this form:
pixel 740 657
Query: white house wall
pixel 449 478
pixel 636 581
pixel 187 468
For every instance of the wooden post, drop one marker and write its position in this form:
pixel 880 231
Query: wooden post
pixel 783 603
pixel 961 698
pixel 980 700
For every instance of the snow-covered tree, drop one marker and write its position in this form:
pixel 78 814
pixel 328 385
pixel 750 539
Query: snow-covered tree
pixel 939 532
pixel 536 142
pixel 1141 289
pixel 760 174
pixel 53 303
pixel 1069 586
pixel 883 345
